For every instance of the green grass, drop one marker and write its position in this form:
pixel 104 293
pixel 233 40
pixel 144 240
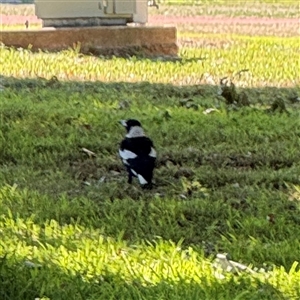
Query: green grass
pixel 19 9
pixel 20 27
pixel 281 9
pixel 70 225
pixel 269 60
pixel 218 177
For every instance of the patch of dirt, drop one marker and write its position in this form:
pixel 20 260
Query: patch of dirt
pixel 246 162
pixel 17 20
pixel 289 25
pixel 230 25
pixel 158 19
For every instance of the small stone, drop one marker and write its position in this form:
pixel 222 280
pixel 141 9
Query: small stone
pixel 114 173
pixel 209 110
pixel 102 179
pixel 30 264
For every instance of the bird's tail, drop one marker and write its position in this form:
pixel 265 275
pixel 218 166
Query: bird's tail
pixel 141 179
pixel 143 170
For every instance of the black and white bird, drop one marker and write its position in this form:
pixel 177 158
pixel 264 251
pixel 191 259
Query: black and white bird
pixel 137 153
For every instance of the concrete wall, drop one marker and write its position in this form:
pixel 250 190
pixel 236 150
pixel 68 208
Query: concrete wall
pixel 153 41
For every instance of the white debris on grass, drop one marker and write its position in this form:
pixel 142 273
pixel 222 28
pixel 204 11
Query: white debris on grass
pixel 210 110
pixel 30 264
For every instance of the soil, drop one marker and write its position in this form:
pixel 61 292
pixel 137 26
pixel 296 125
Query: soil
pixel 251 26
pixel 158 19
pixel 211 20
pixel 262 26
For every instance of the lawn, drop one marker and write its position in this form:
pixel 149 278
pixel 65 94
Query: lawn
pixel 227 178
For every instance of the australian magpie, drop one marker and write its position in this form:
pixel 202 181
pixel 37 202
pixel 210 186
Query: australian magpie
pixel 137 153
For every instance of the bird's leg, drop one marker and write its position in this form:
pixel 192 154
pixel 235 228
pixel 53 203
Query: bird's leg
pixel 129 178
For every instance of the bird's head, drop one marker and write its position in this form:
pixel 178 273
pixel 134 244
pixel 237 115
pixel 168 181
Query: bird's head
pixel 133 127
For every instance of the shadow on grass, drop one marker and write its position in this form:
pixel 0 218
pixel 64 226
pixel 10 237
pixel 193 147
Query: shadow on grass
pixel 21 282
pixel 260 94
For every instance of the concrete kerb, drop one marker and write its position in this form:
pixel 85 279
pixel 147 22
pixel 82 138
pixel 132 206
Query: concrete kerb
pixel 147 40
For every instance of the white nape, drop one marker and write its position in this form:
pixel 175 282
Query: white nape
pixel 135 131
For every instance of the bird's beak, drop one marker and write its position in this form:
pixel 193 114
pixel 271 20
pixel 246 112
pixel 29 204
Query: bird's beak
pixel 123 122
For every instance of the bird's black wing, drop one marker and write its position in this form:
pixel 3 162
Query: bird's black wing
pixel 138 155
